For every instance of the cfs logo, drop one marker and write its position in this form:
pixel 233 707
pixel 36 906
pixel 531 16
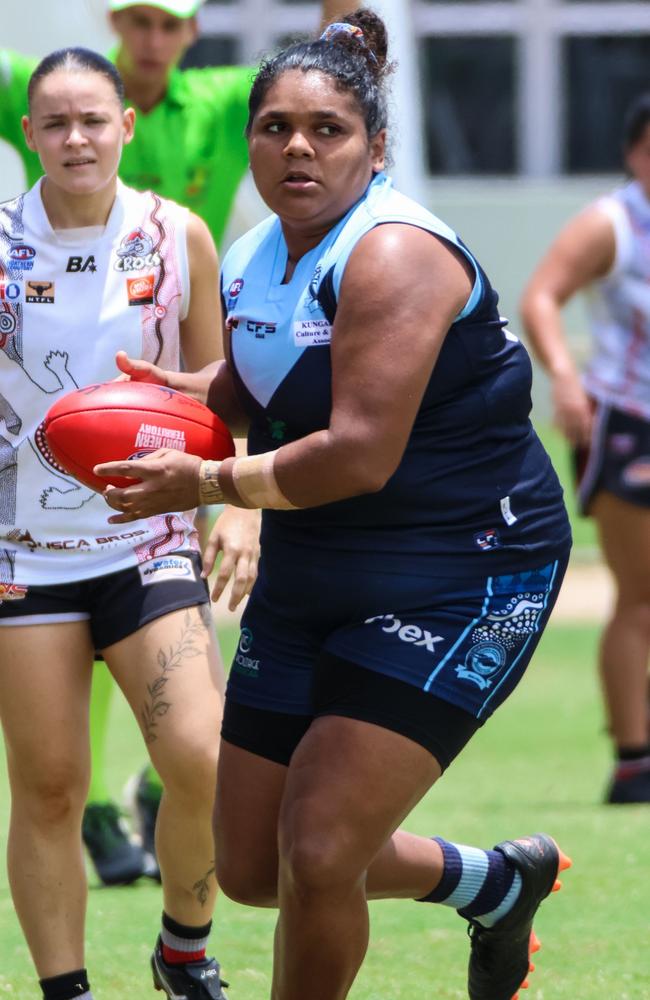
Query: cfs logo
pixel 22 256
pixel 140 290
pixel 261 330
pixel 136 252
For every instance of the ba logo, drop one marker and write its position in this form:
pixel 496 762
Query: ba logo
pixel 9 291
pixel 22 256
pixel 136 252
pixel 81 264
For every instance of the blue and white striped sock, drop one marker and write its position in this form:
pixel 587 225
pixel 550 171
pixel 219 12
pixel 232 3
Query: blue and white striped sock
pixel 482 885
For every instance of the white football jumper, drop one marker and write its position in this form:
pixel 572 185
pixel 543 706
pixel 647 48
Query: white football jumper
pixel 68 301
pixel 618 373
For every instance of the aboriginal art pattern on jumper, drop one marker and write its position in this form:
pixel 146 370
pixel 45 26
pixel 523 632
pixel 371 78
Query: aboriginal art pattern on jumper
pixel 16 261
pixel 160 346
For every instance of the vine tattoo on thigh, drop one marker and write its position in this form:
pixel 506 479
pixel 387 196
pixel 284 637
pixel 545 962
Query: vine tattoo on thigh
pixel 157 702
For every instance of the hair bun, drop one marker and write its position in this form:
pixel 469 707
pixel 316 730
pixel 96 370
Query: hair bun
pixel 374 35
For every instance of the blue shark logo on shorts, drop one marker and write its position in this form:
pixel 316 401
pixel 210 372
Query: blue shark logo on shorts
pixel 490 654
pixel 482 662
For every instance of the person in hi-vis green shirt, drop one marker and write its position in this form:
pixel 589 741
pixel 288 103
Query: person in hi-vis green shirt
pixel 189 146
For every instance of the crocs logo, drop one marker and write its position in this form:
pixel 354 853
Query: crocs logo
pixel 407 633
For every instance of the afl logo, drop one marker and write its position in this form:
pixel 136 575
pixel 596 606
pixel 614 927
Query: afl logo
pixel 22 252
pixel 235 288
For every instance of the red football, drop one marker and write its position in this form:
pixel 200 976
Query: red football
pixel 123 420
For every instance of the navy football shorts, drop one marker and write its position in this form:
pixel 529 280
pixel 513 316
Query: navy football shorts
pixel 427 640
pixel 617 459
pixel 117 604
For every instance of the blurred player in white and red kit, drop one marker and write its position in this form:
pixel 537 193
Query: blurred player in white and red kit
pixel 89 266
pixel 606 417
pixel 189 146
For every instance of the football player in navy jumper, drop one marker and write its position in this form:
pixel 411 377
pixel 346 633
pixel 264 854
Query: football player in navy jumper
pixel 414 535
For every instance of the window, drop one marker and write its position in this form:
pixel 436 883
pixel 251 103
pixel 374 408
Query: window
pixel 469 105
pixel 604 75
pixel 536 87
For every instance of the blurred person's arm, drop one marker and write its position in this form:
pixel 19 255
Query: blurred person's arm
pixel 235 533
pixel 583 252
pixel 200 330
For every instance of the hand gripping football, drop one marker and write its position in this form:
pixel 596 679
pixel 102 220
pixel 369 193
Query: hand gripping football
pixel 121 420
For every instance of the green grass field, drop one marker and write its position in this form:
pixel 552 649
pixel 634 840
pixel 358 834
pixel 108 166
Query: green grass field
pixel 540 765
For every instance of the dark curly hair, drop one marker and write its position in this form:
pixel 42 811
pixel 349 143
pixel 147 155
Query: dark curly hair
pixel 357 63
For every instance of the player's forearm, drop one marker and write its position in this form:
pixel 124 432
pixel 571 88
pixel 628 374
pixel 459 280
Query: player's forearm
pixel 542 321
pixel 315 470
pixel 195 384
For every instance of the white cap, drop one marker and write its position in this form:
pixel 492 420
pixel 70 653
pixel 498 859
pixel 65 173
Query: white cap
pixel 179 8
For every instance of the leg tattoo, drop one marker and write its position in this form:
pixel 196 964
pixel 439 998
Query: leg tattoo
pixel 157 704
pixel 201 887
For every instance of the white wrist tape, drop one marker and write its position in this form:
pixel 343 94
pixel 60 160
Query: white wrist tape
pixel 254 480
